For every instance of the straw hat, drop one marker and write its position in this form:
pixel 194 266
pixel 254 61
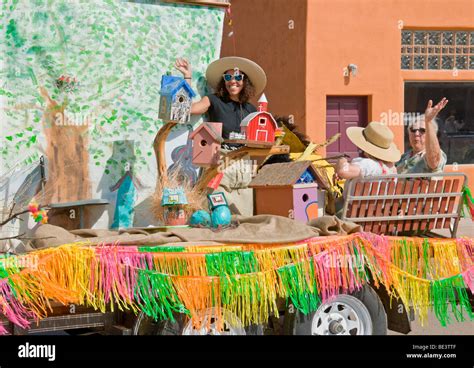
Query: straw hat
pixel 252 70
pixel 376 139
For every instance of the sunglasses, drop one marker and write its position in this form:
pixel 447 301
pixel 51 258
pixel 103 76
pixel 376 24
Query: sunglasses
pixel 229 77
pixel 421 130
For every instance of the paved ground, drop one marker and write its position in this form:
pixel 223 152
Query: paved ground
pixel 433 327
pixel 466 228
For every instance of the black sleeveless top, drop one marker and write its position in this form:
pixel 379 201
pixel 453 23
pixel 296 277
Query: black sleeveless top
pixel 229 113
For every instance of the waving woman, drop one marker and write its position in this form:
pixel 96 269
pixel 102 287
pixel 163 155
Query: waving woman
pixel 234 81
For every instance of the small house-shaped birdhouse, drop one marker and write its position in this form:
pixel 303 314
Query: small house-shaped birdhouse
pixel 207 139
pixel 176 100
pixel 288 189
pixel 260 125
pixel 173 200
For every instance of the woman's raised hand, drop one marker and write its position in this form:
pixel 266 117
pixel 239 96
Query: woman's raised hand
pixel 431 111
pixel 184 67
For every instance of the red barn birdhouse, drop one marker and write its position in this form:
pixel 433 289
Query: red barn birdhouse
pixel 207 139
pixel 260 126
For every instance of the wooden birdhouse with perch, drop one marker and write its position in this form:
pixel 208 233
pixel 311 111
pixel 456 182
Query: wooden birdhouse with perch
pixel 173 202
pixel 207 139
pixel 294 184
pixel 260 125
pixel 175 100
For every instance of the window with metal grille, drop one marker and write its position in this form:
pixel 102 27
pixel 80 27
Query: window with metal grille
pixel 437 50
pixel 455 122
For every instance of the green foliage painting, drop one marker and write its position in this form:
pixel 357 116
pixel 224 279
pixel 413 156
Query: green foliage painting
pixel 97 66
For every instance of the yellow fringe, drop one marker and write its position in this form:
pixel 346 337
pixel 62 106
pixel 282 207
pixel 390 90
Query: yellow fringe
pixel 445 261
pixel 412 291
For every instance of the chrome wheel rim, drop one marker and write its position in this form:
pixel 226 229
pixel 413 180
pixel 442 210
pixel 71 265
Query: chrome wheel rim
pixel 342 315
pixel 231 325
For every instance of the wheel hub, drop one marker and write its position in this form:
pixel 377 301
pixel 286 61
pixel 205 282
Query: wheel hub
pixel 343 315
pixel 337 326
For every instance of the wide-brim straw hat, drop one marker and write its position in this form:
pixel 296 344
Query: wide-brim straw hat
pixel 376 139
pixel 252 70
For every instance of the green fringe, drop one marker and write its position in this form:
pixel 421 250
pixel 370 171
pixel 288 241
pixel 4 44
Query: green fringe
pixel 242 294
pixel 298 286
pixel 231 263
pixel 160 249
pixel 450 292
pixel 157 297
pixel 426 258
pixel 407 251
pixel 362 273
pixel 10 260
pixel 467 202
pixel 3 272
pixel 228 264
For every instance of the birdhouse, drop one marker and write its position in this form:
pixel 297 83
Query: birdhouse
pixel 216 200
pixel 207 139
pixel 260 125
pixel 220 212
pixel 176 100
pixel 174 201
pixel 295 184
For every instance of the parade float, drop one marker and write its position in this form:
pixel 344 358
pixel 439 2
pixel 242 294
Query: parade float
pixel 82 96
pixel 282 271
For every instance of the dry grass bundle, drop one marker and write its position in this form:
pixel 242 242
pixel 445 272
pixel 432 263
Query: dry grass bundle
pixel 196 200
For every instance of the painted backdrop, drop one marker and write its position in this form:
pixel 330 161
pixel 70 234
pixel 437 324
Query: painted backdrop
pixel 79 84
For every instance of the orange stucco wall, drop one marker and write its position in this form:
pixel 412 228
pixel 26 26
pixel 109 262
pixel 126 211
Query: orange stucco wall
pixel 368 33
pixel 273 34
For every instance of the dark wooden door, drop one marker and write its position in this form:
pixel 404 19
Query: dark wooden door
pixel 343 112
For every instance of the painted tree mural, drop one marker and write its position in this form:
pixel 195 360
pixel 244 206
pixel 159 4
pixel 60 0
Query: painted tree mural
pixel 117 52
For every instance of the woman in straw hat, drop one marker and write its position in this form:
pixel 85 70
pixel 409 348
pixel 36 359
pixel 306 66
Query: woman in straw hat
pixel 379 150
pixel 234 80
pixel 379 155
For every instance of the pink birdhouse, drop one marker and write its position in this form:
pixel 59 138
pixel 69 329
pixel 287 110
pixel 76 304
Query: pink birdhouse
pixel 260 125
pixel 207 139
pixel 295 185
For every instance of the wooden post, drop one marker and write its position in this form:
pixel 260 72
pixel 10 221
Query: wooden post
pixel 159 148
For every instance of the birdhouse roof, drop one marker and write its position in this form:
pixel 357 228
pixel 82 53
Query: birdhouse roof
pixel 282 174
pixel 171 84
pixel 173 196
pixel 210 129
pixel 263 98
pixel 253 115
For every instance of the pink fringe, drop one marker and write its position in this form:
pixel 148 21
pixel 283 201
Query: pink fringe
pixel 379 242
pixel 468 277
pixel 118 266
pixel 336 271
pixel 12 308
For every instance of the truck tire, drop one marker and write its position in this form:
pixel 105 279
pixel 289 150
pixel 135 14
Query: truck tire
pixel 358 313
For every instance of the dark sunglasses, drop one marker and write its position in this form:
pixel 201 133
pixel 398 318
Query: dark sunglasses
pixel 237 77
pixel 421 130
